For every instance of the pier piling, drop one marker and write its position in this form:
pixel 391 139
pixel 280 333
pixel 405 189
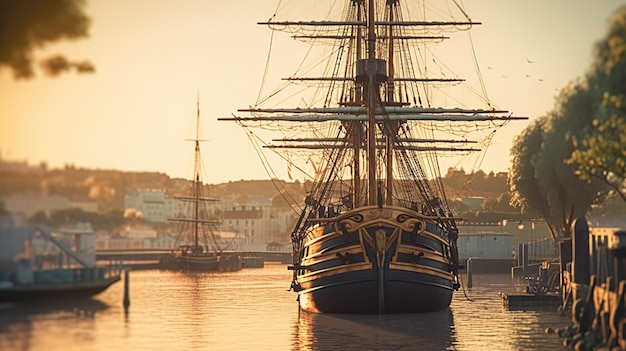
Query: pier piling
pixel 468 268
pixel 126 288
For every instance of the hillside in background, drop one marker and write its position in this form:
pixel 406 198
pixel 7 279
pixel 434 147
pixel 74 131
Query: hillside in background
pixel 108 187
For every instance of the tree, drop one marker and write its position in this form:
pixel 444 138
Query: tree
pixel 526 191
pixel 599 153
pixel 28 25
pixel 540 178
pixel 501 204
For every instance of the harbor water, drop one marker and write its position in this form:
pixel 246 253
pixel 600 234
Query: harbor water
pixel 252 310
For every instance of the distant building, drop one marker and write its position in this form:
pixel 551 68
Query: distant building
pixel 153 205
pixel 253 222
pixel 282 224
pixel 485 245
pixel 145 240
pixel 149 239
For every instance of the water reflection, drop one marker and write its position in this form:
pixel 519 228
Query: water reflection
pixel 26 311
pixel 252 310
pixel 17 321
pixel 372 332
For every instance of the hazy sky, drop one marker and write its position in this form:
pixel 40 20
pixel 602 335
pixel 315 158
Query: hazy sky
pixel 153 58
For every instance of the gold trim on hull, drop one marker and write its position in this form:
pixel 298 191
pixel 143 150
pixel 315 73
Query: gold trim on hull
pixel 358 222
pixel 327 272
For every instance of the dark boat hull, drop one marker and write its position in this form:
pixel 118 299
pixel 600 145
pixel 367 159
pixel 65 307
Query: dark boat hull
pixel 375 261
pixel 42 292
pixel 223 263
pixel 345 294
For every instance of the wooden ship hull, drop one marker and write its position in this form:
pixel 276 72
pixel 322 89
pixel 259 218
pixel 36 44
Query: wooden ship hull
pixel 69 291
pixel 375 260
pixel 367 122
pixel 202 263
pixel 198 249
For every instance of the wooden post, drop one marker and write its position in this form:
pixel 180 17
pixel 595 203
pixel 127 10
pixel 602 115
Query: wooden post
pixel 468 268
pixel 617 246
pixel 580 249
pixel 126 288
pixel 565 258
pixel 524 255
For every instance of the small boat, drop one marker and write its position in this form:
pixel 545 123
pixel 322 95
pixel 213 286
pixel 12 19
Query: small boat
pixel 199 247
pixel 376 233
pixel 38 264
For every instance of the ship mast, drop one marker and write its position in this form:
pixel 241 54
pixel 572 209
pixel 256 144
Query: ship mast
pixel 389 99
pixel 193 225
pixel 372 118
pixel 371 93
pixel 357 129
pixel 196 178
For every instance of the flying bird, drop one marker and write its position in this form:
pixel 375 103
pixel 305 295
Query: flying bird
pixel 529 61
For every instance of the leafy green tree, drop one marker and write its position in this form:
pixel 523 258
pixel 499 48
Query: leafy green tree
pixel 600 152
pixel 602 155
pixel 27 25
pixel 525 189
pixel 500 204
pixel 540 178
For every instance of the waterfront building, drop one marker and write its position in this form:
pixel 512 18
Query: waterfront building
pixel 252 221
pixel 153 204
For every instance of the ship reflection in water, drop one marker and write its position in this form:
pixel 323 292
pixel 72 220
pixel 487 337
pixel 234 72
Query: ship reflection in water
pixel 426 331
pixel 253 310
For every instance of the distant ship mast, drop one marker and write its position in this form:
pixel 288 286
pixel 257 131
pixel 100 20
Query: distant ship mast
pixel 197 197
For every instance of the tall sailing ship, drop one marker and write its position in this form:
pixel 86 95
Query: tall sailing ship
pixel 198 244
pixel 376 233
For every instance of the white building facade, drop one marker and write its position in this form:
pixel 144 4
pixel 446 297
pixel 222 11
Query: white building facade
pixel 153 204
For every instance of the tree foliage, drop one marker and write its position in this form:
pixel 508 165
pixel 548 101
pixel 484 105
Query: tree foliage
pixel 73 216
pixel 600 152
pixel 500 204
pixel 525 188
pixel 540 178
pixel 28 25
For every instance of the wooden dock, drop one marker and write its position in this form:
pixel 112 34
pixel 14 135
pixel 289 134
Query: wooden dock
pixel 140 259
pixel 594 288
pixel 525 301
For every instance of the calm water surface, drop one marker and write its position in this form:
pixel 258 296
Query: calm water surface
pixel 252 310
